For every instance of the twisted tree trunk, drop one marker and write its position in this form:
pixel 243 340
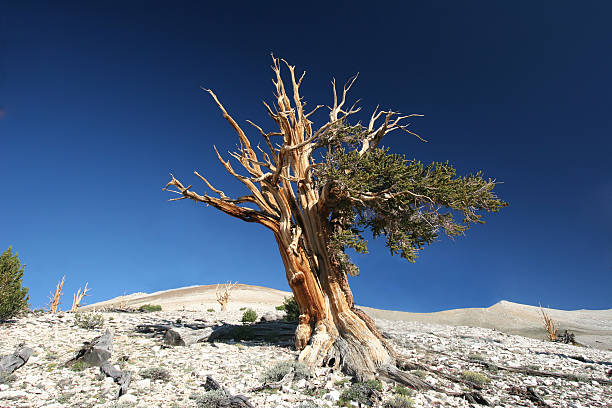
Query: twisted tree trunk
pixel 331 331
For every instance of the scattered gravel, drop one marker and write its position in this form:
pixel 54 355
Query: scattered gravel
pixel 239 366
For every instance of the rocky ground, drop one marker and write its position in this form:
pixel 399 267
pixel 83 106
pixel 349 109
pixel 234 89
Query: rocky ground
pixel 463 352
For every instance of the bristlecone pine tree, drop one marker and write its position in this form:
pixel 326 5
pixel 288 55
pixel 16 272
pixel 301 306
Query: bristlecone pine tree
pixel 13 297
pixel 318 208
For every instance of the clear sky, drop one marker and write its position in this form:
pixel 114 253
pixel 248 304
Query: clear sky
pixel 102 100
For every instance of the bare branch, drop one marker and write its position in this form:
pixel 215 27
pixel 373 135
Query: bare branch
pixel 54 300
pixel 229 206
pixel 221 193
pixel 391 122
pixel 223 295
pixel 241 135
pixel 266 136
pixel 78 297
pixel 337 108
pixel 313 111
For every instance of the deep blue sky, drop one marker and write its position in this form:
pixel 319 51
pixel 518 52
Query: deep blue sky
pixel 101 101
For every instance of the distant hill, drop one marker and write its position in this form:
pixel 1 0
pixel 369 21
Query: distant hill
pixel 591 327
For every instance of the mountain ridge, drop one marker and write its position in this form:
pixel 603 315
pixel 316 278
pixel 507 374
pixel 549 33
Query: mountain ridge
pixel 592 328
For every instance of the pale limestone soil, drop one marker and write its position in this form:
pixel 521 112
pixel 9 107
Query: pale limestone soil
pixel 44 382
pixel 418 340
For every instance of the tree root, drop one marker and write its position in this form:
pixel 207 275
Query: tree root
pixel 537 373
pixel 402 377
pixel 230 401
pixel 530 394
pixel 395 374
pixel 520 370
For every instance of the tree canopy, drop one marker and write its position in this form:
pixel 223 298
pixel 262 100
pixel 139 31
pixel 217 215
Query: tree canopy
pixel 13 296
pixel 402 199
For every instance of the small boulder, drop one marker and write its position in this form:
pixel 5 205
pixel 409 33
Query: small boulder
pixel 95 352
pixel 177 336
pixel 272 316
pixel 11 362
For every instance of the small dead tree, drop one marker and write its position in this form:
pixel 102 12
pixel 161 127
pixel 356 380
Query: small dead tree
pixel 223 294
pixel 549 325
pixel 78 297
pixel 54 299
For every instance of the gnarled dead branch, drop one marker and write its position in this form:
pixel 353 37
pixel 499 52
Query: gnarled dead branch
pixel 549 325
pixel 54 299
pixel 223 293
pixel 78 297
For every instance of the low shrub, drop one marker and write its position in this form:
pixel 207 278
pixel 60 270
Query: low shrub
pixel 476 356
pixel 89 321
pixel 403 391
pixel 399 401
pixel 475 377
pixel 243 308
pixel 280 307
pixel 249 316
pixel 150 308
pixel 79 365
pixel 279 370
pixel 210 399
pixel 155 373
pixel 210 310
pixel 6 378
pixel 360 392
pixel 309 404
pixel 291 309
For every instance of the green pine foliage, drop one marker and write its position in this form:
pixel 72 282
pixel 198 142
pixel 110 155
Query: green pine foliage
pixel 291 309
pixel 406 201
pixel 13 296
pixel 150 308
pixel 359 392
pixel 249 316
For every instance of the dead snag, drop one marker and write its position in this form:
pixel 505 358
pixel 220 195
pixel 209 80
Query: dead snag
pixel 549 325
pixel 78 297
pixel 223 294
pixel 54 300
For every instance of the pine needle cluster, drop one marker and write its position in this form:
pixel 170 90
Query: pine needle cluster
pixel 13 296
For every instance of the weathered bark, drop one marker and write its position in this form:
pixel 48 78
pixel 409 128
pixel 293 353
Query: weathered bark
pixel 123 378
pixel 331 331
pixel 185 337
pixel 230 401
